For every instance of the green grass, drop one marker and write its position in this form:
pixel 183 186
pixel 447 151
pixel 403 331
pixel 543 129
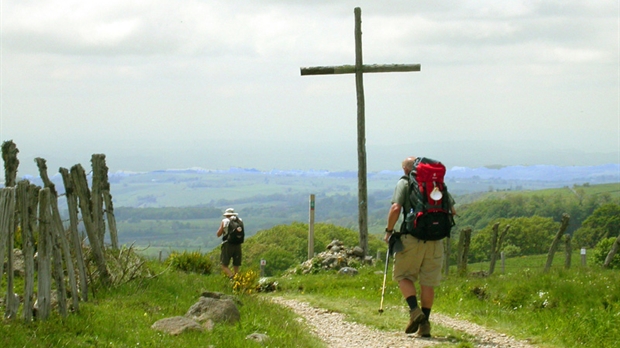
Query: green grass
pixel 561 308
pixel 122 317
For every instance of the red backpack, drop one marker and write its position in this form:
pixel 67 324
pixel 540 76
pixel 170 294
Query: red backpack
pixel 430 217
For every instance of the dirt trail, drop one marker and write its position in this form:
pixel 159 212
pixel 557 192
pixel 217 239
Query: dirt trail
pixel 336 332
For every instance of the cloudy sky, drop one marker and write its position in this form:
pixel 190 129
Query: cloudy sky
pixel 213 84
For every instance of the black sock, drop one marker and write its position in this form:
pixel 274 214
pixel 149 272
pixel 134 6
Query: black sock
pixel 412 301
pixel 427 312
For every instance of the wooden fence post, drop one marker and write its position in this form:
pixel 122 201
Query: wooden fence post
pixel 556 241
pixel 44 250
pixel 11 163
pixel 494 237
pixel 311 229
pixel 496 245
pixel 96 200
pixel 101 196
pixel 5 215
pixel 58 233
pixel 8 225
pixel 464 240
pixel 27 193
pixel 109 206
pixel 72 205
pixel 81 188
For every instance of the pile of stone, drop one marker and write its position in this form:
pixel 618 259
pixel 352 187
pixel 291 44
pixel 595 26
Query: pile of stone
pixel 338 257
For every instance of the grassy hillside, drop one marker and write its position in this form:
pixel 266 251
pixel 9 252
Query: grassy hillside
pixel 193 228
pixel 562 308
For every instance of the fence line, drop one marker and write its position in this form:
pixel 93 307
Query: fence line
pixel 59 253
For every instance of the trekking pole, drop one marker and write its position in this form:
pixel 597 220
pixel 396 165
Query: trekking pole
pixel 387 259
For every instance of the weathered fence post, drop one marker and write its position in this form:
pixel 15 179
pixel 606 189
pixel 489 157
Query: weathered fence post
pixel 311 228
pixel 568 251
pixel 58 232
pixel 9 155
pixel 8 230
pixel 101 189
pixel 612 253
pixel 44 250
pixel 81 188
pixel 72 205
pixel 96 200
pixel 5 214
pixel 464 240
pixel 27 193
pixel 496 245
pixel 556 241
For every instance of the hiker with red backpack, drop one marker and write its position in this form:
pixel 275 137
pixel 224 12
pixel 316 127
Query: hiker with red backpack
pixel 417 246
pixel 232 232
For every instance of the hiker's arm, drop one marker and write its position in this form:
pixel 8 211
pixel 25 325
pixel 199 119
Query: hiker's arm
pixel 392 219
pixel 452 203
pixel 220 230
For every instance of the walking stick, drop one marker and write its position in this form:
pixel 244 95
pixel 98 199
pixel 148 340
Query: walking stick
pixel 387 260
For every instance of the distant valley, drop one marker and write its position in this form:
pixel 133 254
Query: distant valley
pixel 196 186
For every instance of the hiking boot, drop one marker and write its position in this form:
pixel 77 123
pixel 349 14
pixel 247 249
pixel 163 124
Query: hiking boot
pixel 415 318
pixel 425 328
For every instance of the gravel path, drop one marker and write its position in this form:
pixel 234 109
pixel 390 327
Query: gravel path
pixel 332 328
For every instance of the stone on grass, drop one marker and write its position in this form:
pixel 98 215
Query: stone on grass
pixel 176 325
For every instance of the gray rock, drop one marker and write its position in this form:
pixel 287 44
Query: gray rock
pixel 176 325
pixel 218 310
pixel 348 270
pixel 258 337
pixel 358 251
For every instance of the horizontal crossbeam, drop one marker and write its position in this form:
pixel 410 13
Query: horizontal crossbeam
pixel 350 69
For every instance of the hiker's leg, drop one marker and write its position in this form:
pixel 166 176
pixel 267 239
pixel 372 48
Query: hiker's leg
pixel 427 296
pixel 407 288
pixel 227 270
pixel 236 269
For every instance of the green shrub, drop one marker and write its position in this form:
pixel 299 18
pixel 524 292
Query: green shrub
pixel 602 250
pixel 277 260
pixel 190 262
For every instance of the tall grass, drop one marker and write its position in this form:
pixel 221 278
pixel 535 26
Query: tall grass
pixel 122 317
pixel 561 308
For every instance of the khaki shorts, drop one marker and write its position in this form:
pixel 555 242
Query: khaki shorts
pixel 230 251
pixel 419 260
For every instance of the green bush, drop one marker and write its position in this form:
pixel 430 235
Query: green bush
pixel 602 250
pixel 277 260
pixel 190 262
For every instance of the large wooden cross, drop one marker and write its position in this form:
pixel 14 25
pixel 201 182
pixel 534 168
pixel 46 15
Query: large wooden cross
pixel 359 69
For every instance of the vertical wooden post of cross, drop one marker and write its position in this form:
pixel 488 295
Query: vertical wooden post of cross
pixel 359 69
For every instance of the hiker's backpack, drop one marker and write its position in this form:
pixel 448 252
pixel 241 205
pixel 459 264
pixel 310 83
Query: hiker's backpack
pixel 430 217
pixel 236 232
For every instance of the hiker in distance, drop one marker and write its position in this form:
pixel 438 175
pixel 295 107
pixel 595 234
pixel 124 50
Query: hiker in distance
pixel 417 246
pixel 232 232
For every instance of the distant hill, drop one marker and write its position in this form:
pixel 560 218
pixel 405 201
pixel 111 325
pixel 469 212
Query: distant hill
pixel 198 186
